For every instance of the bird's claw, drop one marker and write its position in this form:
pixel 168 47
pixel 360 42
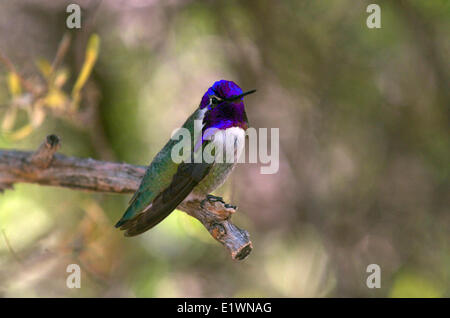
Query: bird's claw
pixel 212 198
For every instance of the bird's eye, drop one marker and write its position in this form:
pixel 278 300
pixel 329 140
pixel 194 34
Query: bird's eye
pixel 214 100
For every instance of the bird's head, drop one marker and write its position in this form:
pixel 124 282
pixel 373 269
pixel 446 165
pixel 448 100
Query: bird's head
pixel 224 104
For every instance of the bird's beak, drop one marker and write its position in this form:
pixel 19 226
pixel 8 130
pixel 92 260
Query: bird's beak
pixel 241 95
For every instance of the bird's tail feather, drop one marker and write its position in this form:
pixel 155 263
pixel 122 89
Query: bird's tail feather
pixel 144 222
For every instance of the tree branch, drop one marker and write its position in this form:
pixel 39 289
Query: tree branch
pixel 44 167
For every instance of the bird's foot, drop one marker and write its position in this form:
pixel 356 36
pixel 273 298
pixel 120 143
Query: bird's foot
pixel 230 206
pixel 212 199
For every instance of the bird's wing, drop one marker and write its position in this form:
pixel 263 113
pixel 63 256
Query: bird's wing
pixel 158 178
pixel 188 175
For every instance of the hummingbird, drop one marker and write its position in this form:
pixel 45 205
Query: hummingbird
pixel 166 183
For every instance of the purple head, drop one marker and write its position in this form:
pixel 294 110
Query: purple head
pixel 225 106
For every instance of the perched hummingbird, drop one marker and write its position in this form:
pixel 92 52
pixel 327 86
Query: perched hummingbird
pixel 166 184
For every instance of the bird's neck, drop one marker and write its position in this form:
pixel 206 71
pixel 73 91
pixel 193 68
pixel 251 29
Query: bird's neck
pixel 226 116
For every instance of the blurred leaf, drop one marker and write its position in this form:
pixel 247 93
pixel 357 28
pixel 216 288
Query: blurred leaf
pixel 56 98
pixel 89 62
pixel 14 84
pixel 9 119
pixel 21 132
pixel 61 77
pixel 44 67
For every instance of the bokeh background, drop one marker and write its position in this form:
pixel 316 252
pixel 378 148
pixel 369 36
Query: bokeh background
pixel 364 145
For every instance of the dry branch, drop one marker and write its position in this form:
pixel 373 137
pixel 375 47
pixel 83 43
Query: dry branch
pixel 45 167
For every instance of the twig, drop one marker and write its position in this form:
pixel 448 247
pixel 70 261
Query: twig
pixel 61 52
pixel 215 216
pixel 44 155
pixel 44 167
pixel 10 66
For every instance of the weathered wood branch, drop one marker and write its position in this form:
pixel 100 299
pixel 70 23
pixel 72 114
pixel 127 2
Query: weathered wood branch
pixel 43 157
pixel 45 167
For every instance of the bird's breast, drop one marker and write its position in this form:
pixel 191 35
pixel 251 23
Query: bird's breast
pixel 234 136
pixel 231 142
